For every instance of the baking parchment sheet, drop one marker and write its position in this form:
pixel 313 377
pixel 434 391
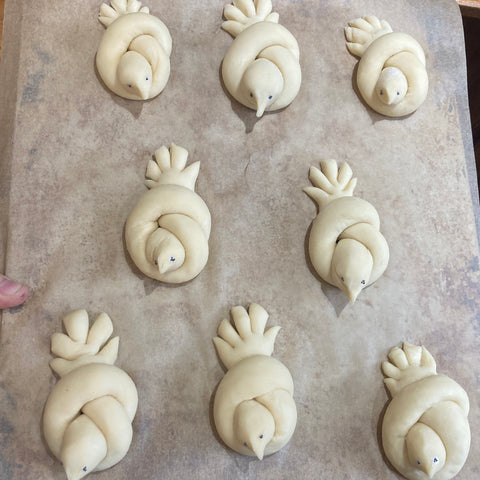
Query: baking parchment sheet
pixel 72 167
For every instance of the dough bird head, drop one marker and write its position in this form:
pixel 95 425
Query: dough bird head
pixel 255 426
pixel 352 265
pixel 391 86
pixel 264 82
pixel 84 447
pixel 135 74
pixel 425 449
pixel 165 250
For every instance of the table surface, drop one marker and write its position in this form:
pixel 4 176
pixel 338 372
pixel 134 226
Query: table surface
pixel 73 164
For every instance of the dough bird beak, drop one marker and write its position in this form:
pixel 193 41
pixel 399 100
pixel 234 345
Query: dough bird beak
pixel 261 108
pixel 258 450
pixel 352 295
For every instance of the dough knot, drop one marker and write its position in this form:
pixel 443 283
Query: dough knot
pixel 87 420
pixel 261 69
pixel 425 430
pixel 133 58
pixel 254 410
pixel 346 246
pixel 391 75
pixel 167 231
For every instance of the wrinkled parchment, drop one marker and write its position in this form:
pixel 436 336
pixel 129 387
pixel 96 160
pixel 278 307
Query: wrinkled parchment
pixel 72 167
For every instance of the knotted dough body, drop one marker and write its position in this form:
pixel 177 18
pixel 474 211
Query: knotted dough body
pixel 254 410
pixel 261 69
pixel 346 247
pixel 391 75
pixel 87 420
pixel 168 229
pixel 133 58
pixel 425 430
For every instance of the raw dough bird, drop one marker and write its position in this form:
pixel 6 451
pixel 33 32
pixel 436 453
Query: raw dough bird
pixel 254 410
pixel 391 74
pixel 133 58
pixel 346 247
pixel 261 69
pixel 87 420
pixel 168 229
pixel 425 430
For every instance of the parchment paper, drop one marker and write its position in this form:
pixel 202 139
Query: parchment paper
pixel 73 163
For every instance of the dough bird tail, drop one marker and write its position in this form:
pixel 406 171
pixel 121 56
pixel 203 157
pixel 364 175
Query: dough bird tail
pixel 242 13
pixel 169 168
pixel 407 365
pixel 109 13
pixel 330 182
pixel 247 337
pixel 82 345
pixel 361 32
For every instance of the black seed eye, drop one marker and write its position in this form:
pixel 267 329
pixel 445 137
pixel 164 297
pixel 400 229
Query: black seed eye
pixel 172 259
pixel 261 436
pixel 381 92
pixel 342 279
pixel 245 443
pixel 435 460
pixel 363 282
pixel 270 97
pixel 146 79
pixel 156 262
pixel 84 469
pixel 251 94
pixel 398 93
pixel 418 462
pixel 129 85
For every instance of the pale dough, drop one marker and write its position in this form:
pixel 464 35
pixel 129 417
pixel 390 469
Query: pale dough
pixel 133 58
pixel 346 247
pixel 425 430
pixel 87 420
pixel 167 231
pixel 391 75
pixel 254 410
pixel 261 69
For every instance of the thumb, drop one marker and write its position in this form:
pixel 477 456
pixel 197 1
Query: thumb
pixel 11 293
